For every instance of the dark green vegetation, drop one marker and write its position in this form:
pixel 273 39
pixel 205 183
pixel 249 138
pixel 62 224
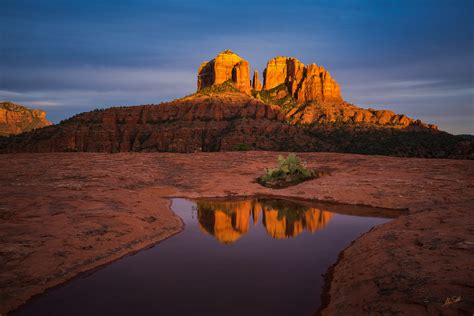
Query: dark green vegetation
pixel 280 95
pixel 243 147
pixel 410 142
pixel 227 86
pixel 290 171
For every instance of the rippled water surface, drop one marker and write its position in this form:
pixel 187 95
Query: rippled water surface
pixel 244 257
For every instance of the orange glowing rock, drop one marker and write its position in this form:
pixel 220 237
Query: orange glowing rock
pixel 305 83
pixel 229 221
pixel 16 119
pixel 256 84
pixel 224 67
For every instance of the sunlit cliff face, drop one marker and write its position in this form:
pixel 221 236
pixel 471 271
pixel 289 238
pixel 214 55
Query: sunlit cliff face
pixel 228 221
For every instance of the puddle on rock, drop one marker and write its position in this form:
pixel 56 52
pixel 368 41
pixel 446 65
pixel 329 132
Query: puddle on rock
pixel 242 257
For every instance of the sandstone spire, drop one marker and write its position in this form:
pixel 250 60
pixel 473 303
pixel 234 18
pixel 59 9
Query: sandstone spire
pixel 225 66
pixel 241 76
pixel 256 84
pixel 275 73
pixel 305 83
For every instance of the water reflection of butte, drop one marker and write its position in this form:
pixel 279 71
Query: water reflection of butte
pixel 281 226
pixel 228 221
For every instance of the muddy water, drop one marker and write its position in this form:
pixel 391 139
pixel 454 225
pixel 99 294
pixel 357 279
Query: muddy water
pixel 247 257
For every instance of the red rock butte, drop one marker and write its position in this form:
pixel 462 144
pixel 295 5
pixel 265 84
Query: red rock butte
pixel 297 108
pixel 306 83
pixel 306 93
pixel 226 66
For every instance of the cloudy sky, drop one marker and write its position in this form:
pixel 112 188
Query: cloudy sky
pixel 414 57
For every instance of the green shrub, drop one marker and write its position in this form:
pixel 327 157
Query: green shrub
pixel 290 170
pixel 242 147
pixel 226 86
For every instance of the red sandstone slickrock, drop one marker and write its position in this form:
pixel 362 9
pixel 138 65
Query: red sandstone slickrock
pixel 407 267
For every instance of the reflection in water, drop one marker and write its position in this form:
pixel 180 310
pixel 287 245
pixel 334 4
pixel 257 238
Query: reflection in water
pixel 192 274
pixel 228 221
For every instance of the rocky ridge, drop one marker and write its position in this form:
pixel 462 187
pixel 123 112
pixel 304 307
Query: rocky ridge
pixel 16 119
pixel 226 121
pixel 219 121
pixel 226 114
pixel 307 94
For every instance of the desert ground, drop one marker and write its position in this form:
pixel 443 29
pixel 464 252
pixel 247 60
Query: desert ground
pixel 62 214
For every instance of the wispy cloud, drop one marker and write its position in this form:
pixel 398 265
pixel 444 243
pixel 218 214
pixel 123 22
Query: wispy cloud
pixel 44 103
pixel 98 79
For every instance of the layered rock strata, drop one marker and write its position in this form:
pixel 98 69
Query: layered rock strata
pixel 223 122
pixel 224 67
pixel 300 82
pixel 298 109
pixel 346 113
pixel 16 119
pixel 304 83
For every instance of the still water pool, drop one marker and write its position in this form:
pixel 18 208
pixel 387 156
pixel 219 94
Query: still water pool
pixel 240 257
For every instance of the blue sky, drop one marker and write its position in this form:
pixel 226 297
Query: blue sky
pixel 414 57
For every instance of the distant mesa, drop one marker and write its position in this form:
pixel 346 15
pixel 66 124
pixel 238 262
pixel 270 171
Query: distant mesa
pixel 16 119
pixel 293 107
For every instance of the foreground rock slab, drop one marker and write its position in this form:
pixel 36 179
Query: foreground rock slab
pixel 65 213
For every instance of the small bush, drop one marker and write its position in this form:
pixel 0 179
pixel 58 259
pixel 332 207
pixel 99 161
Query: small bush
pixel 227 86
pixel 290 171
pixel 242 147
